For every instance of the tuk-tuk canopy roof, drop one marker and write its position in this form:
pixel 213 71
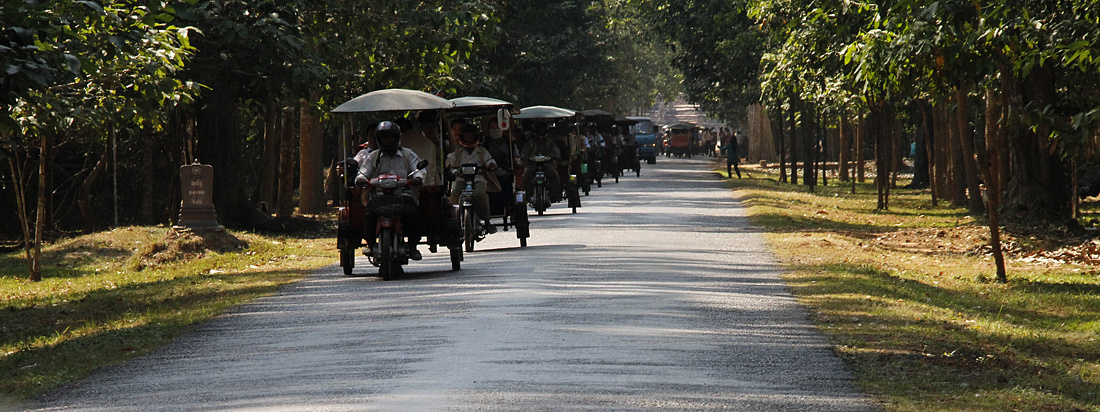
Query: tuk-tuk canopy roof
pixel 599 117
pixel 544 112
pixel 472 106
pixel 391 100
pixel 682 126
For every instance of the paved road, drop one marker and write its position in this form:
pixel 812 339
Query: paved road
pixel 656 296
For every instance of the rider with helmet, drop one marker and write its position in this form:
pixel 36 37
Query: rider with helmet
pixel 391 158
pixel 468 152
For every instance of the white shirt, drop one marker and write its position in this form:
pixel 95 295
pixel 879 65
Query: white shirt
pixel 400 163
pixel 477 155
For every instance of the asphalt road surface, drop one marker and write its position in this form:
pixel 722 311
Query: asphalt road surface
pixel 656 296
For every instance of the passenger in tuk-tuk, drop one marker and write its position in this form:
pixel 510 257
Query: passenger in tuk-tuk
pixel 540 144
pixel 469 152
pixel 499 145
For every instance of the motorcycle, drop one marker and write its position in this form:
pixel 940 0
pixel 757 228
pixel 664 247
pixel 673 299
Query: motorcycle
pixel 472 229
pixel 391 197
pixel 540 196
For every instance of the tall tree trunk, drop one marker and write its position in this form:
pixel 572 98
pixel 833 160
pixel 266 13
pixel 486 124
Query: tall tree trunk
pixel 20 182
pixel 311 184
pixel 880 113
pixel 782 147
pixel 285 206
pixel 942 176
pixel 271 157
pixel 809 140
pixel 845 146
pixel 895 146
pixel 40 218
pixel 992 175
pixel 823 155
pixel 955 151
pixel 1036 187
pixel 920 150
pixel 966 144
pixel 84 202
pixel 860 143
pixel 794 133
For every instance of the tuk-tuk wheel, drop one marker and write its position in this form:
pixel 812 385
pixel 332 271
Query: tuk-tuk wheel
pixel 347 260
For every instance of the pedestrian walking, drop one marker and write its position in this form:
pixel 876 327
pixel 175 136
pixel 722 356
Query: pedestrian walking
pixel 733 157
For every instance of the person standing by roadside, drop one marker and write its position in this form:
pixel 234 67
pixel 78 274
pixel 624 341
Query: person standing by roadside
pixel 733 157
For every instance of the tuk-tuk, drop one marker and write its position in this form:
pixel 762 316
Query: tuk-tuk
pixel 440 226
pixel 680 140
pixel 628 147
pixel 566 171
pixel 507 203
pixel 645 137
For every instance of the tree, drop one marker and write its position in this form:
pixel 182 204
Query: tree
pixel 90 67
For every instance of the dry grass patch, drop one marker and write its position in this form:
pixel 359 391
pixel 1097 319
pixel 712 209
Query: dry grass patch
pixel 907 298
pixel 109 296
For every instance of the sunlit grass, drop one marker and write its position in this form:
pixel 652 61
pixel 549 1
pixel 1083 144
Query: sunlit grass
pixel 99 304
pixel 920 324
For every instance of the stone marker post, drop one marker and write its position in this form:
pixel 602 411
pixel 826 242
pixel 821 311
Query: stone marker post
pixel 197 211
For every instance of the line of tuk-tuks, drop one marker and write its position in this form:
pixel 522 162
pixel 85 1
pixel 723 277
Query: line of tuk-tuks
pixel 542 154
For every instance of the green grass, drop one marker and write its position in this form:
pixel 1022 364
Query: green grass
pixel 921 325
pixel 104 298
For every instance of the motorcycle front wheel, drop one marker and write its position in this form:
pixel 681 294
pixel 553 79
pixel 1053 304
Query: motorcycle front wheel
pixel 540 199
pixel 388 244
pixel 469 228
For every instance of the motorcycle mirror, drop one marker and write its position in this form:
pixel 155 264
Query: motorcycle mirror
pixel 504 119
pixel 422 164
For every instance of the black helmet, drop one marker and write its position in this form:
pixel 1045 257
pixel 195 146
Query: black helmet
pixel 388 136
pixel 541 129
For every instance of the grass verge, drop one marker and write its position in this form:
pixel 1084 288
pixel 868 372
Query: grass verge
pixel 110 296
pixel 906 298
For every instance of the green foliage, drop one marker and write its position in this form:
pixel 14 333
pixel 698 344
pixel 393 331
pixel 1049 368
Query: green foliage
pixel 716 47
pixel 577 54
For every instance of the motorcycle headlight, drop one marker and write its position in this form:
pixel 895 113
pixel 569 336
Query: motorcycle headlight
pixel 387 183
pixel 469 170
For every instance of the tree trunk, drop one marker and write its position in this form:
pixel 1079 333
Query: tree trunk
pixel 920 150
pixel 794 133
pixel 20 187
pixel 969 153
pixel 271 157
pixel 285 206
pixel 809 140
pixel 992 176
pixel 782 147
pixel 845 147
pixel 40 218
pixel 957 169
pixel 861 139
pixel 883 151
pixel 311 184
pixel 1036 189
pixel 84 202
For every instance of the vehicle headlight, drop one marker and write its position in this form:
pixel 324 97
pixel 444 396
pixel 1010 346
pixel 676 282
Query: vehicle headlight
pixel 387 183
pixel 469 170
